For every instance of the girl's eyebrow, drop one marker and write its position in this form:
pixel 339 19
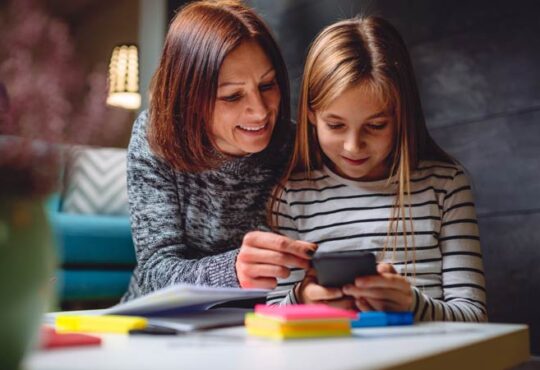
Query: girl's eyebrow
pixel 271 69
pixel 334 116
pixel 379 115
pixel 376 115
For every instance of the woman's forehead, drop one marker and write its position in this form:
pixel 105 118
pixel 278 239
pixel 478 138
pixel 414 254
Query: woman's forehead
pixel 246 60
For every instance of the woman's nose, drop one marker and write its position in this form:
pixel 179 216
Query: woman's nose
pixel 257 107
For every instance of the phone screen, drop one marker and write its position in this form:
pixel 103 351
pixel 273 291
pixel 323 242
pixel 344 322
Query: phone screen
pixel 336 269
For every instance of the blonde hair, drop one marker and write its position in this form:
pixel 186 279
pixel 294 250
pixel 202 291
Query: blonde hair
pixel 368 53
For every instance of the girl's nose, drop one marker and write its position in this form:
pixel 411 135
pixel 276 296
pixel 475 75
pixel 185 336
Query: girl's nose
pixel 353 143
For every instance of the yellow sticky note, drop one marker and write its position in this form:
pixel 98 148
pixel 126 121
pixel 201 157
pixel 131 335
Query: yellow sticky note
pixel 100 324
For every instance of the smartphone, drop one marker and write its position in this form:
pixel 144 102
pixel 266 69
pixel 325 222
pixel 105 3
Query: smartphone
pixel 336 269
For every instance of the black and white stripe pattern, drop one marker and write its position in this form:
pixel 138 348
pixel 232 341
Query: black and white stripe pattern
pixel 340 214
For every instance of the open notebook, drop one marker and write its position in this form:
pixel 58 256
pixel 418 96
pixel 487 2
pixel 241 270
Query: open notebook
pixel 181 298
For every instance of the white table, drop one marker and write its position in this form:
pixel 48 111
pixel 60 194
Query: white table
pixel 423 346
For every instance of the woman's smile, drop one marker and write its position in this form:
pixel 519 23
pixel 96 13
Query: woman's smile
pixel 254 129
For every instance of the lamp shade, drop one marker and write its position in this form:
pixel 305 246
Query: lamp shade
pixel 124 78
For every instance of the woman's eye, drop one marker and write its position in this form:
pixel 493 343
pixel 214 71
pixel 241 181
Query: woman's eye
pixel 267 86
pixel 334 126
pixel 231 98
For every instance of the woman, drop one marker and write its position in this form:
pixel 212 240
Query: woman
pixel 203 160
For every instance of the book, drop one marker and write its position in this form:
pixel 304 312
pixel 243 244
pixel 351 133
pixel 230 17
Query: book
pixel 182 298
pixel 202 320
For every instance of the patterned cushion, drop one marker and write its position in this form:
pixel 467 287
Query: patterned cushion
pixel 96 182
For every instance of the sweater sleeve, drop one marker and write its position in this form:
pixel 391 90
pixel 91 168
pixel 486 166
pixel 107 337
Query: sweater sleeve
pixel 464 293
pixel 157 225
pixel 283 294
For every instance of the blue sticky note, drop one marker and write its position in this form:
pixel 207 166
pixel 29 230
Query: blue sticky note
pixel 400 318
pixel 370 319
pixel 379 318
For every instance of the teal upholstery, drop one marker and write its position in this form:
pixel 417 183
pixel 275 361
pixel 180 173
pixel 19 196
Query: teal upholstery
pixel 96 254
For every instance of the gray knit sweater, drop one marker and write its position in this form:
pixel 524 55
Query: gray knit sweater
pixel 188 227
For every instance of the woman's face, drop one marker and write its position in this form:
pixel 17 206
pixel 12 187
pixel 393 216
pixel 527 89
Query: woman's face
pixel 247 103
pixel 356 133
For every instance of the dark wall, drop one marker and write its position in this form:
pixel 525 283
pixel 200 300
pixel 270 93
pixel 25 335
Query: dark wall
pixel 172 7
pixel 478 68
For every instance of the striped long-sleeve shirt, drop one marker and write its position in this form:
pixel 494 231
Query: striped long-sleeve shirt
pixel 445 269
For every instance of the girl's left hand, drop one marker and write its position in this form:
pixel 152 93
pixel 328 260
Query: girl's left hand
pixel 387 291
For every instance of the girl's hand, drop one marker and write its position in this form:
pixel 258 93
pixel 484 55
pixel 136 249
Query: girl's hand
pixel 266 256
pixel 387 291
pixel 308 291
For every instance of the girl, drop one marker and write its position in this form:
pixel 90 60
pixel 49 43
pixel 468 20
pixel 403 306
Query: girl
pixel 367 175
pixel 203 161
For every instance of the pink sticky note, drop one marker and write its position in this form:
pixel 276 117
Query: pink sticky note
pixel 51 339
pixel 305 312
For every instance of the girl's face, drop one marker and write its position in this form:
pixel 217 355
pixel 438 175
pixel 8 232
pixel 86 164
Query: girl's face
pixel 247 103
pixel 356 134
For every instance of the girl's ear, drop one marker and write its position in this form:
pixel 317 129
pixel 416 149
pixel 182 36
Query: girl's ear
pixel 311 116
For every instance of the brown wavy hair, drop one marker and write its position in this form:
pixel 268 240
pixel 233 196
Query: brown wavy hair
pixel 369 53
pixel 184 87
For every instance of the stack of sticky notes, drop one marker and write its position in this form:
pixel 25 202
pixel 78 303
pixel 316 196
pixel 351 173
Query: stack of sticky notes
pixel 299 321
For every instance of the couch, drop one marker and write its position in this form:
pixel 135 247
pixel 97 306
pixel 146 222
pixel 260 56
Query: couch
pixel 95 248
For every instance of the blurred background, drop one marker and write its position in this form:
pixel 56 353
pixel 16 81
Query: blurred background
pixel 478 68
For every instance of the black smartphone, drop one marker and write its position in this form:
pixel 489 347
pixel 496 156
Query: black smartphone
pixel 336 269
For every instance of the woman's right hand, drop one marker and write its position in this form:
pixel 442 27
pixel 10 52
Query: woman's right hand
pixel 266 256
pixel 309 291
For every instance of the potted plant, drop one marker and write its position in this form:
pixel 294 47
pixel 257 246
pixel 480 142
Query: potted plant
pixel 46 102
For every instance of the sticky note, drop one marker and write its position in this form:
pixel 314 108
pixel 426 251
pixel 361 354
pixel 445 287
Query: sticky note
pixel 304 311
pixel 100 324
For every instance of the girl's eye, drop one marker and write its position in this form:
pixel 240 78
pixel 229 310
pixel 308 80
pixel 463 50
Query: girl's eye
pixel 334 126
pixel 267 86
pixel 377 126
pixel 231 98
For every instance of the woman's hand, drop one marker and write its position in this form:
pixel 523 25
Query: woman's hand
pixel 308 291
pixel 387 291
pixel 266 256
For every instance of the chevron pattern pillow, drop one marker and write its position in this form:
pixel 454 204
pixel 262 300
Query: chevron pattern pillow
pixel 95 182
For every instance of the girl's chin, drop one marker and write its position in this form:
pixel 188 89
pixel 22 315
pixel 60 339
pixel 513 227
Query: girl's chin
pixel 353 176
